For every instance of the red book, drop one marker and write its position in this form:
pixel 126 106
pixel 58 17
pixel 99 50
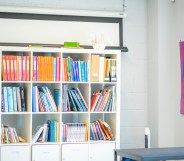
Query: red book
pixel 34 68
pixel 94 99
pixel 5 77
pixel 24 68
pixel 57 68
pixel 8 68
pixel 19 60
pixel 12 73
pixel 15 67
pixel 27 67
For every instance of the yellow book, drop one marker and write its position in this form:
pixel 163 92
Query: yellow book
pixel 95 62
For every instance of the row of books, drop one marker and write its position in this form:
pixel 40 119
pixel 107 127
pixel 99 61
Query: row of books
pixel 104 100
pixel 48 132
pixel 75 132
pixel 42 100
pixel 75 70
pixel 103 69
pixel 71 132
pixel 46 68
pixel 15 68
pixel 100 131
pixel 13 99
pixel 72 100
pixel 8 135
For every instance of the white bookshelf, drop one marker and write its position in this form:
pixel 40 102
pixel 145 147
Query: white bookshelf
pixel 26 122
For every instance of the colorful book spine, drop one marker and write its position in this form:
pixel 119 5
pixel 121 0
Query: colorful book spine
pixel 10 99
pixel 5 99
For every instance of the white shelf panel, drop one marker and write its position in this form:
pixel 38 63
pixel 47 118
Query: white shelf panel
pixel 52 82
pixel 101 141
pixel 46 143
pixel 75 82
pixel 75 142
pixel 46 113
pixel 15 113
pixel 110 83
pixel 102 112
pixel 75 112
pixel 16 81
pixel 17 144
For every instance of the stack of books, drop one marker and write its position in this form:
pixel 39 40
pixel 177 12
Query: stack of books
pixel 73 100
pixel 104 100
pixel 9 135
pixel 48 132
pixel 75 70
pixel 15 68
pixel 43 100
pixel 75 132
pixel 100 131
pixel 46 68
pixel 103 69
pixel 13 99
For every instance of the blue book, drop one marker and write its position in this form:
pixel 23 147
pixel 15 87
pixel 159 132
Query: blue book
pixel 71 68
pixel 5 99
pixel 76 100
pixel 14 99
pixel 74 71
pixel 48 99
pixel 86 71
pixel 82 106
pixel 45 103
pixel 84 79
pixel 23 103
pixel 10 99
pixel 82 71
pixel 57 98
pixel 77 71
pixel 92 135
pixel 34 99
pixel 52 131
pixel 2 101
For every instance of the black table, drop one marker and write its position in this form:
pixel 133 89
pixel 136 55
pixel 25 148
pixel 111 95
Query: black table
pixel 151 154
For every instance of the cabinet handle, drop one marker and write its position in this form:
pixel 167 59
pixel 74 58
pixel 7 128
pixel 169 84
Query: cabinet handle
pixel 75 149
pixel 15 152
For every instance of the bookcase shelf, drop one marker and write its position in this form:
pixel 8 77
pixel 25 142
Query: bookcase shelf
pixel 79 89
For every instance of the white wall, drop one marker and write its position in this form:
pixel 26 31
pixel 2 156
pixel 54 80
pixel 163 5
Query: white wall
pixel 164 93
pixel 152 10
pixel 178 35
pixel 134 63
pixel 114 5
pixel 134 73
pixel 166 73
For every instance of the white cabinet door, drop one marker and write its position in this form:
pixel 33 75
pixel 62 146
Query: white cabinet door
pixel 101 151
pixel 12 153
pixel 72 152
pixel 45 153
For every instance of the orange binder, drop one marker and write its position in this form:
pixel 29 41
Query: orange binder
pixel 4 69
pixel 104 129
pixel 95 63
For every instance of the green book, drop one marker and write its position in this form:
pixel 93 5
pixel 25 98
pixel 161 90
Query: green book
pixel 71 44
